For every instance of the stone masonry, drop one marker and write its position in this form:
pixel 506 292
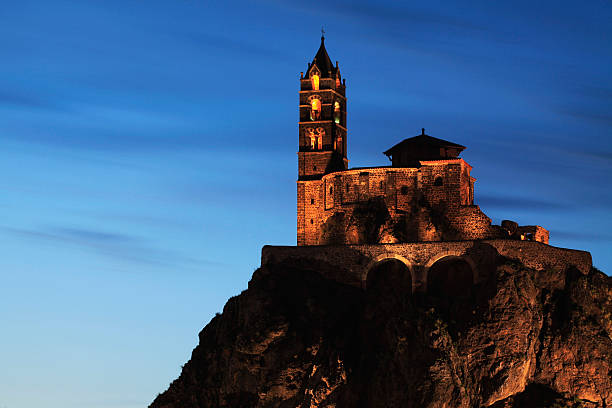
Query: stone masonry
pixel 426 195
pixel 350 264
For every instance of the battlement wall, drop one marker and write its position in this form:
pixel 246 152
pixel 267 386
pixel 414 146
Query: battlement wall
pixel 350 264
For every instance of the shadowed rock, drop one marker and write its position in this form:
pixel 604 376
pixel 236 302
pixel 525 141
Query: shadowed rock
pixel 518 338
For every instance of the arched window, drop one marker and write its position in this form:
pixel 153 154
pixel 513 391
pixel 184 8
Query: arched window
pixel 337 112
pixel 320 132
pixel 315 109
pixel 438 181
pixel 313 138
pixel 315 82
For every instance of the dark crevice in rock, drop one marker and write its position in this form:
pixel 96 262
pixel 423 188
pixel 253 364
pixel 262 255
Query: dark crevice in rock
pixel 296 338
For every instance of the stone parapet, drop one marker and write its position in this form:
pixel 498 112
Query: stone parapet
pixel 350 264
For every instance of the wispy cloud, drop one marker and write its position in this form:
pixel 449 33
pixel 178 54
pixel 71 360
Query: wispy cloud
pixel 386 13
pixel 240 48
pixel 26 100
pixel 580 236
pixel 119 246
pixel 588 115
pixel 518 203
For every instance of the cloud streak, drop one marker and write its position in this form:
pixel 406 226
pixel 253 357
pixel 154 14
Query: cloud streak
pixel 25 100
pixel 518 203
pixel 241 49
pixel 388 14
pixel 580 236
pixel 118 246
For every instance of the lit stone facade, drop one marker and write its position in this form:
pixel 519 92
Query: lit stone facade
pixel 426 195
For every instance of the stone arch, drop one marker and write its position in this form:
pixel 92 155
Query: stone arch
pixel 439 268
pixel 379 260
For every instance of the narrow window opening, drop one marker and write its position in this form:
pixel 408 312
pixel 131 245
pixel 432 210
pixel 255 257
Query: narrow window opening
pixel 311 221
pixel 337 112
pixel 438 181
pixel 315 109
pixel 320 134
pixel 312 201
pixel 404 190
pixel 315 82
pixel 314 168
pixel 313 139
pixel 331 190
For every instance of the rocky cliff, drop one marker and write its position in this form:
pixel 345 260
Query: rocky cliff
pixel 521 338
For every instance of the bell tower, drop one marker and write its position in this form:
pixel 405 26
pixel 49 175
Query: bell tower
pixel 321 140
pixel 322 125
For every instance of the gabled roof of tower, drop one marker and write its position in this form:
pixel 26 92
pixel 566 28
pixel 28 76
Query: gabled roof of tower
pixel 323 62
pixel 417 143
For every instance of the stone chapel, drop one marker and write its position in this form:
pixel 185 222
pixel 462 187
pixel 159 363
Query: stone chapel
pixel 426 194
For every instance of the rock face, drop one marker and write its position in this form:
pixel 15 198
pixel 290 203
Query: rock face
pixel 521 338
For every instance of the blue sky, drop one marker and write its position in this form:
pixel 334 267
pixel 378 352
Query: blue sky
pixel 148 152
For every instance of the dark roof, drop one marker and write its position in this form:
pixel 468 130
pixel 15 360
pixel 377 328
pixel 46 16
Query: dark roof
pixel 423 140
pixel 323 62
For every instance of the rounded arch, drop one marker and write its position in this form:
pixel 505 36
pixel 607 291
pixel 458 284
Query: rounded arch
pixel 447 254
pixel 315 109
pixel 385 258
pixel 450 274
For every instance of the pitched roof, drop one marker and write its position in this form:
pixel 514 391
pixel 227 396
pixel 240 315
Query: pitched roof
pixel 423 140
pixel 323 62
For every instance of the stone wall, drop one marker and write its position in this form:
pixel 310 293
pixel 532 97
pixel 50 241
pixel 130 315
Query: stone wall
pixel 350 264
pixel 431 203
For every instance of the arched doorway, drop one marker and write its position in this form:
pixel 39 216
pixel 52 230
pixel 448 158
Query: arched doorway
pixel 389 276
pixel 388 286
pixel 450 276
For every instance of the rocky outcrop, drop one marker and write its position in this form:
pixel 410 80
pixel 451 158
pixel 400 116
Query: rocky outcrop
pixel 521 338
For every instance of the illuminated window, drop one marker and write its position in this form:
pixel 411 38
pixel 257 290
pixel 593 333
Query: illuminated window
pixel 337 112
pixel 338 145
pixel 315 82
pixel 315 109
pixel 313 138
pixel 338 81
pixel 319 137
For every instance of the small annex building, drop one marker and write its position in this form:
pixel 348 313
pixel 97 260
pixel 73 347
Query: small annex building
pixel 425 195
